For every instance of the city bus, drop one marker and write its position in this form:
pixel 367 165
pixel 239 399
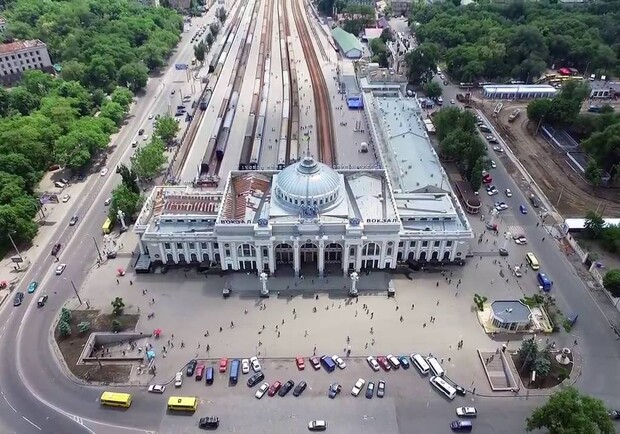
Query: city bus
pixel 183 403
pixel 532 261
pixel 114 399
pixel 441 385
pixel 107 226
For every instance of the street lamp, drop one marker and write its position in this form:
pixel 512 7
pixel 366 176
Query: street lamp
pixel 74 290
pixel 19 255
pixel 97 247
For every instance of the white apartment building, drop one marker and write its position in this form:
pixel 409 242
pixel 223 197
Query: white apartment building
pixel 19 56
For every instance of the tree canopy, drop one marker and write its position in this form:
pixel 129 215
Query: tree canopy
pixel 570 412
pixel 520 40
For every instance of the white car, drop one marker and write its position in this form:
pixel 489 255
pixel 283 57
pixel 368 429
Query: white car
pixel 359 385
pixel 501 206
pixel 151 116
pixel 60 269
pixel 466 411
pixel 493 164
pixel 338 361
pixel 393 361
pixel 517 271
pixel 317 425
pixel 492 191
pixel 245 366
pixel 145 137
pixel 104 171
pixel 178 379
pixel 157 388
pixel 508 192
pixel 373 363
pixel 498 149
pixel 262 390
pixel 108 201
pixel 66 198
pixel 255 364
pixel 452 101
pixel 520 240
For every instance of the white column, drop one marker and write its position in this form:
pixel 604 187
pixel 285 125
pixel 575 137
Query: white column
pixel 321 261
pixel 175 253
pixel 211 252
pixel 272 262
pixel 259 258
pixel 186 251
pixel 296 258
pixel 345 259
pixel 382 255
pixel 358 257
pixel 162 253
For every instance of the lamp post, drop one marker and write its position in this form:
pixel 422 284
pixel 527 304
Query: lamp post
pixel 97 247
pixel 19 255
pixel 263 278
pixel 354 278
pixel 75 290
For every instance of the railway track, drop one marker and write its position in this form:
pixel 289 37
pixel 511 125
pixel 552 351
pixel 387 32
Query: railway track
pixel 322 107
pixel 292 148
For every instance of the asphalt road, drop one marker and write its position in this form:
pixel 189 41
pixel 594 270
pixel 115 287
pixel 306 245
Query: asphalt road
pixel 37 395
pixel 597 344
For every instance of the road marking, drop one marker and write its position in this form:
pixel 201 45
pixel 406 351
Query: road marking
pixel 9 404
pixel 31 423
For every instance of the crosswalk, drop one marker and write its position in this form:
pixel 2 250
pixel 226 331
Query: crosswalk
pixel 515 229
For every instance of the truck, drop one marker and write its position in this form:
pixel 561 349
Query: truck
pixel 514 115
pixel 463 97
pixel 544 282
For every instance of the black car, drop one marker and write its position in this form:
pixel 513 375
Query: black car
pixel 503 252
pixel 209 422
pixel 299 388
pixel 370 390
pixel 286 388
pixel 614 414
pixel 19 297
pixel 460 390
pixel 141 131
pixel 191 367
pixel 255 379
pixel 56 249
pixel 381 389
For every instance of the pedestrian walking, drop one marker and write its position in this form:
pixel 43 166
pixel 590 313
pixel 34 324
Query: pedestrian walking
pixel 130 282
pixel 182 344
pixel 412 306
pixel 282 321
pixel 437 285
pixel 366 347
pixel 314 351
pixel 221 329
pixel 397 308
pixel 198 345
pixel 372 314
pixel 305 333
pixel 245 311
pixel 401 318
pixel 117 282
pixel 424 325
pixel 232 325
pixel 371 330
pixel 208 348
pixel 456 294
pixel 278 334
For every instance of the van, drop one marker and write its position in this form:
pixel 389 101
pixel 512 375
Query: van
pixel 328 363
pixel 234 372
pixel 435 366
pixel 419 362
pixel 59 184
pixel 544 282
pixel 532 261
pixel 209 376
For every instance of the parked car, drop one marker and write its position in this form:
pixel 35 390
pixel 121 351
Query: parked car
pixel 255 379
pixel 178 379
pixel 299 361
pixel 66 198
pixel 404 362
pixel 209 422
pixel 370 390
pixel 157 388
pixel 274 388
pixel 104 171
pixel 466 411
pixel 19 297
pixel 191 367
pixel 498 149
pixel 373 363
pixel 108 201
pixel 503 252
pixel 316 363
pixel 384 363
pixel 299 388
pixel 262 390
pixel 223 364
pixel 492 190
pixel 32 287
pixel 381 389
pixel 286 388
pixel 334 389
pixel 60 269
pixel 338 361
pixel 517 271
pixel 393 361
pixel 200 370
pixel 493 164
pixel 245 366
pixel 255 364
pixel 460 390
pixel 358 386
pixel 141 131
pixel 461 425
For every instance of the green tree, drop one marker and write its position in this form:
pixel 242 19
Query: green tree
pixel 432 89
pixel 113 111
pixel 386 35
pixel 221 15
pixel 65 315
pixel 528 354
pixel 479 301
pixel 593 225
pixel 125 200
pixel 594 173
pixel 200 50
pixel 83 327
pixel 116 326
pixel 422 63
pixel 134 76
pixel 542 364
pixel 209 39
pixel 611 282
pixel 130 180
pixel 123 97
pixel 64 329
pixel 166 128
pixel 148 160
pixel 214 28
pixel 117 306
pixel 569 411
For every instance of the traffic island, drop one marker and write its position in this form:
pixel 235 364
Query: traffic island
pixel 72 334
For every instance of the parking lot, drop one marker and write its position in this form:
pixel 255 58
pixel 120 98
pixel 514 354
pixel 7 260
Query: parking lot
pixel 410 403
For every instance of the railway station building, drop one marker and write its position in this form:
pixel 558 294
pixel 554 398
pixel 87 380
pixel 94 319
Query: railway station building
pixel 519 91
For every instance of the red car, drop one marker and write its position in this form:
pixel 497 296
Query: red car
pixel 223 364
pixel 273 389
pixel 300 363
pixel 200 370
pixel 384 363
pixel 316 364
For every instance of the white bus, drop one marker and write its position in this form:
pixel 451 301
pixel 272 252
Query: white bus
pixel 443 387
pixel 435 366
pixel 420 363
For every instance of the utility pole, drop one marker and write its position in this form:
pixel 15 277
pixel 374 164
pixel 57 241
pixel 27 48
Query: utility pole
pixel 560 197
pixel 76 292
pixel 19 255
pixel 97 247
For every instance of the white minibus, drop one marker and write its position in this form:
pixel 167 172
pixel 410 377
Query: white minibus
pixel 435 366
pixel 443 387
pixel 419 362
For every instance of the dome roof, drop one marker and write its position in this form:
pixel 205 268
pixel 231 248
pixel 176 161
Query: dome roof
pixel 308 182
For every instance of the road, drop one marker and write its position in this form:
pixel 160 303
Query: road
pixel 36 394
pixel 596 341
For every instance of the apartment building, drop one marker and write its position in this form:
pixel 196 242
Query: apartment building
pixel 19 56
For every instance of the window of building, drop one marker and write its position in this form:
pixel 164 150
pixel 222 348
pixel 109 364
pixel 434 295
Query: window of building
pixel 389 251
pixel 352 251
pixel 167 246
pixel 216 246
pixel 192 245
pixel 424 243
pixel 265 251
pixel 227 252
pixel 203 245
pixel 412 244
pixel 436 244
pixel 400 244
pixel 179 245
pixel 448 243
